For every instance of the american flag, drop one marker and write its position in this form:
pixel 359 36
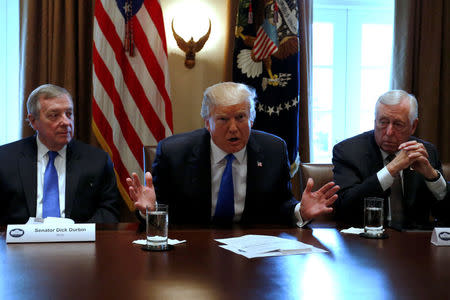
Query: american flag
pixel 266 42
pixel 277 79
pixel 131 105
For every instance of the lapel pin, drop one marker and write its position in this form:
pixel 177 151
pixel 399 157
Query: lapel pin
pixel 259 164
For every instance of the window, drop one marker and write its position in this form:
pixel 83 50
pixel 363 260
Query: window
pixel 352 53
pixel 10 112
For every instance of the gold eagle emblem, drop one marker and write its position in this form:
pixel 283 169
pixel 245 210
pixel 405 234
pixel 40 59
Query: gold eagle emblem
pixel 191 47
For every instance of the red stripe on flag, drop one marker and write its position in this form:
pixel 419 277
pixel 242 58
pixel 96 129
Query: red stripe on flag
pixel 264 46
pixel 107 80
pixel 268 49
pixel 154 69
pixel 127 90
pixel 131 80
pixel 107 134
pixel 157 18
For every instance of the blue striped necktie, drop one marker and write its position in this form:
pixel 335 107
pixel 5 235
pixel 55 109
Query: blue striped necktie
pixel 225 201
pixel 51 190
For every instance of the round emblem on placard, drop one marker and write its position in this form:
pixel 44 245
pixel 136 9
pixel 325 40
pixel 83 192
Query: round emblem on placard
pixel 17 232
pixel 444 235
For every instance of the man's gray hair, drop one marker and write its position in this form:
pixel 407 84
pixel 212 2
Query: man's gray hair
pixel 46 91
pixel 394 97
pixel 225 94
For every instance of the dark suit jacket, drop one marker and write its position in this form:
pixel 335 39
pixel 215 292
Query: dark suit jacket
pixel 91 191
pixel 356 163
pixel 182 179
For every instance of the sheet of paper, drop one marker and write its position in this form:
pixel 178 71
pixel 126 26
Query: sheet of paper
pixel 169 241
pixel 50 221
pixel 353 230
pixel 252 246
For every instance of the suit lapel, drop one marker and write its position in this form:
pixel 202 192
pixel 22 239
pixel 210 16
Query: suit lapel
pixel 28 173
pixel 373 162
pixel 72 176
pixel 255 158
pixel 373 159
pixel 199 174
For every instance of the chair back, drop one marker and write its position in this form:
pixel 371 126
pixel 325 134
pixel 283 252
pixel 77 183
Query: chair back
pixel 320 173
pixel 149 157
pixel 446 170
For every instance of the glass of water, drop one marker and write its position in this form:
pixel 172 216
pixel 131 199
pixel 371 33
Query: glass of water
pixel 373 216
pixel 157 227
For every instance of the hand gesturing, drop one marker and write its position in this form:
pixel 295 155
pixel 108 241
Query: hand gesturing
pixel 317 203
pixel 142 196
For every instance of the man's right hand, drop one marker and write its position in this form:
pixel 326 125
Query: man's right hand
pixel 400 162
pixel 142 196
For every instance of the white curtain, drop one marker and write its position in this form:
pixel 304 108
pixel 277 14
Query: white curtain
pixel 10 106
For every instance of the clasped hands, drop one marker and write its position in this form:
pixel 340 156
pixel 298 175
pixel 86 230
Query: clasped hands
pixel 413 155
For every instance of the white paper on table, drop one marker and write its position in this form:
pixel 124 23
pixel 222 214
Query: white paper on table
pixel 252 246
pixel 440 236
pixel 169 241
pixel 50 221
pixel 353 230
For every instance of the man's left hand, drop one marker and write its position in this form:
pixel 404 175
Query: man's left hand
pixel 317 203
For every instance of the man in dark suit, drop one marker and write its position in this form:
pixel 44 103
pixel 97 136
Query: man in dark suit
pixel 190 168
pixel 365 166
pixel 84 183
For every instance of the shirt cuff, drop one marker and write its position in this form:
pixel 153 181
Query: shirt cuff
pixel 438 188
pixel 385 178
pixel 300 223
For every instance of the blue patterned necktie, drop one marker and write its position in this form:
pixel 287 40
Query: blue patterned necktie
pixel 51 190
pixel 225 201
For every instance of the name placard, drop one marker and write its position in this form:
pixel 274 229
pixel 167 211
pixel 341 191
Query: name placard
pixel 43 233
pixel 441 236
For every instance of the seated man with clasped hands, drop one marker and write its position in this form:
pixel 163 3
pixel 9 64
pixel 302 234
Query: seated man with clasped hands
pixel 388 162
pixel 227 173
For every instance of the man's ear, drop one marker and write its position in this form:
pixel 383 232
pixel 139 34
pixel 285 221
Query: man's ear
pixel 207 125
pixel 31 120
pixel 414 126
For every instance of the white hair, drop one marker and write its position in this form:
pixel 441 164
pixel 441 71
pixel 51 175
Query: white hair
pixel 394 97
pixel 225 94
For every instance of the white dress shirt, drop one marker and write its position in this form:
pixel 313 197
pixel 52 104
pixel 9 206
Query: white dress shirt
pixel 60 165
pixel 239 171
